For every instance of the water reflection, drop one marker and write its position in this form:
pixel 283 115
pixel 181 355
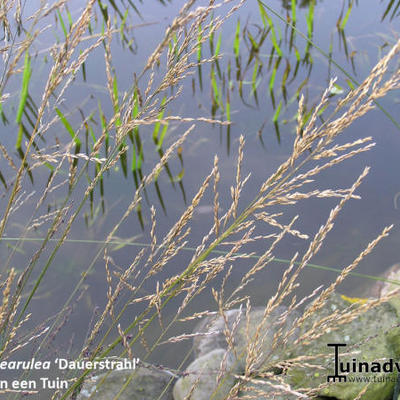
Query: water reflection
pixel 302 4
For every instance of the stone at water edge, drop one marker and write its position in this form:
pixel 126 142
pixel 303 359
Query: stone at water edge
pixel 373 332
pixel 380 289
pixel 235 321
pixel 214 326
pixel 201 380
pixel 146 384
pixel 377 324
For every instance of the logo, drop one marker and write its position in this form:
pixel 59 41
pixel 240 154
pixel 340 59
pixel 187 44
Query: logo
pixel 336 377
pixel 343 368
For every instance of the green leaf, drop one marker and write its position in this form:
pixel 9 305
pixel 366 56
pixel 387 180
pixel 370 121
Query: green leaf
pixel 273 74
pixel 293 11
pixel 253 42
pixel 115 101
pixel 62 23
pixel 216 92
pixel 161 139
pixel 68 127
pixel 346 17
pixel 218 46
pixel 310 19
pixel 19 137
pixel 277 112
pixel 158 124
pixel 228 107
pixel 121 29
pixel 267 18
pixel 136 160
pixel 25 85
pixel 70 22
pixel 350 84
pixel 236 43
pixel 199 38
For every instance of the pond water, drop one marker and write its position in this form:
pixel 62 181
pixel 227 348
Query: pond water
pixel 356 48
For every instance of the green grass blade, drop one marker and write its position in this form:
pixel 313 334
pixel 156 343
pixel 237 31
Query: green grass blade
pixel 70 22
pixel 254 44
pixel 254 75
pixel 159 195
pixel 135 8
pixel 60 18
pixel 174 45
pixel 228 106
pixel 216 54
pixel 262 14
pixel 83 69
pixel 2 115
pixel 162 136
pixel 293 8
pixel 277 112
pixel 395 10
pixel 123 161
pixel 3 181
pixel 19 137
pixel 211 42
pixel 275 119
pixel 284 79
pixel 137 160
pixel 273 74
pixel 267 18
pixel 346 17
pixel 115 7
pixel 158 124
pixel 300 88
pixel 104 11
pixel 218 46
pixel 122 27
pixel 387 9
pixel 329 58
pixel 103 123
pixel 350 84
pixel 90 132
pixel 116 101
pixel 216 91
pixel 68 127
pixel 199 43
pixel 310 19
pixel 25 85
pixel 236 43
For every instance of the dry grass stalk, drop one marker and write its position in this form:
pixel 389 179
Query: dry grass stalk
pixel 236 229
pixel 278 189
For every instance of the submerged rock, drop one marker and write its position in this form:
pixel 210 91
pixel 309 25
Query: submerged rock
pixel 383 288
pixel 213 327
pixel 371 338
pixel 261 335
pixel 209 376
pixel 264 333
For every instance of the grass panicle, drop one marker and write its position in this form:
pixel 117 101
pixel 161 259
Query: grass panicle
pixel 76 174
